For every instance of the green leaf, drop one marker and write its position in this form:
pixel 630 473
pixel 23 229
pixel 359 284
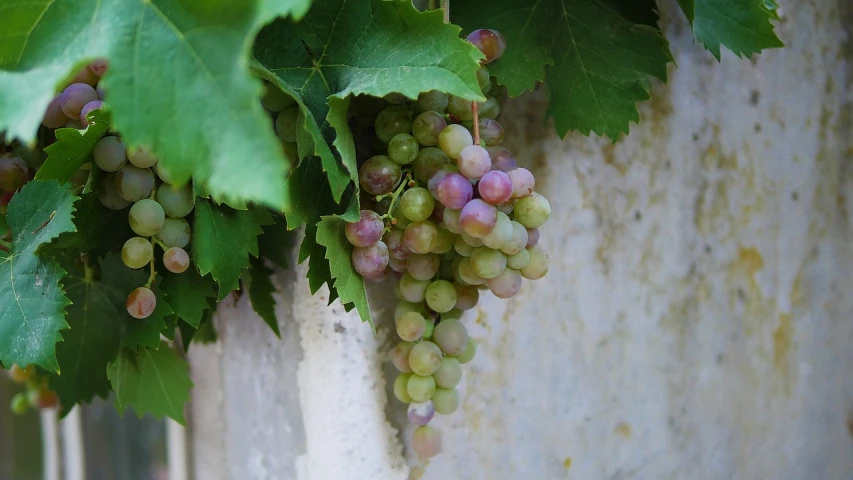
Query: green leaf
pixel 188 294
pixel 72 149
pixel 370 47
pixel 151 381
pixel 97 229
pixel 276 242
pixel 260 293
pixel 743 26
pixel 32 302
pixel 270 9
pixel 223 240
pixel 348 283
pixel 595 56
pixel 177 81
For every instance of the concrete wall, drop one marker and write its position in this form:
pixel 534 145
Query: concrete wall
pixel 697 322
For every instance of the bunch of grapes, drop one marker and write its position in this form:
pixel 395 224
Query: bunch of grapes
pixel 37 394
pixel 458 216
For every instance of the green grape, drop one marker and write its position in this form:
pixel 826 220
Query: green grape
pixel 451 336
pixel 537 265
pixel 430 328
pixel 400 356
pixel 133 183
pixel 473 241
pixel 141 157
pixel 108 195
pixel 454 314
pixel 285 123
pixel 109 154
pixel 420 237
pixel 446 400
pixel 532 211
pixel 417 204
pixel 449 373
pixel 412 289
pixel 137 252
pixel 400 387
pixel 507 284
pixel 452 220
pixel 454 139
pixel 501 234
pixel 460 108
pixel 420 388
pixel 274 99
pixel 491 108
pixel 445 241
pixel 177 202
pixel 432 100
pixel 406 307
pixel 400 223
pixel 176 232
pixel 425 358
pixel 422 267
pixel 146 217
pixel 426 441
pixel 467 296
pixel 462 248
pixel 428 162
pixel 427 127
pixel 467 274
pixel 410 326
pixel 519 260
pixel 484 79
pixel 488 262
pixel 468 353
pixel 20 403
pixel 441 296
pixel 403 149
pixel 162 174
pixel 392 121
pixel 517 241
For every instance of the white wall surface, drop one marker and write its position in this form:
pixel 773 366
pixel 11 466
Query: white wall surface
pixel 697 321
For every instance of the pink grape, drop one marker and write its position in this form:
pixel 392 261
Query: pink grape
pixel 426 441
pixel 141 303
pixel 454 191
pixel 507 284
pixel 176 260
pixel 379 175
pixel 420 237
pixel 394 241
pixel 491 132
pixel 502 159
pixel 474 162
pixel 54 117
pixel 440 173
pixel 478 218
pixel 523 182
pixel 89 108
pixel 396 265
pixel 532 237
pixel 370 261
pixel 75 97
pixel 495 187
pixel 490 42
pixel 366 231
pixel 420 413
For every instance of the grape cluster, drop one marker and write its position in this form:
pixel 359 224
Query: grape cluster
pixel 37 394
pixel 457 217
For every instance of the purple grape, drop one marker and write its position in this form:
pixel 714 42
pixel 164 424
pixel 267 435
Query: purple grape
pixel 491 132
pixel 490 42
pixel 532 237
pixel 379 175
pixel 420 413
pixel 370 261
pixel 454 191
pixel 478 218
pixel 495 187
pixel 502 159
pixel 523 182
pixel 75 97
pixel 394 241
pixel 432 184
pixel 88 108
pixel 54 117
pixel 474 162
pixel 366 231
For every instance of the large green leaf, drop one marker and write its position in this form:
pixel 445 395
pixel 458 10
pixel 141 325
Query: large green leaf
pixel 32 302
pixel 743 26
pixel 595 55
pixel 348 283
pixel 261 292
pixel 72 149
pixel 178 81
pixel 156 382
pixel 188 294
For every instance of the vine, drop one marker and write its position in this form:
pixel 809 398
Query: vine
pixel 146 177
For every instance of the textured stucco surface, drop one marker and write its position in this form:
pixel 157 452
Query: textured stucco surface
pixel 697 321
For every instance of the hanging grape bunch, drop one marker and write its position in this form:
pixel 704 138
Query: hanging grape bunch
pixel 461 217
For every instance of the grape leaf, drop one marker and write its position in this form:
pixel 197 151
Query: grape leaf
pixel 276 242
pixel 743 26
pixel 151 381
pixel 32 302
pixel 97 229
pixel 72 149
pixel 348 283
pixel 371 47
pixel 270 9
pixel 188 294
pixel 595 55
pixel 223 240
pixel 261 289
pixel 177 81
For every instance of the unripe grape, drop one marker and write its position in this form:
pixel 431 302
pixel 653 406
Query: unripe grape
pixel 478 218
pixel 274 99
pixel 452 220
pixel 518 260
pixel 366 231
pixel 445 241
pixel 285 123
pixel 146 217
pixel 426 441
pixel 473 241
pixel 370 261
pixel 460 108
pixel 501 234
pixel 452 315
pixel 177 202
pixel 433 100
pixel 428 162
pixel 420 413
pixel 468 353
pixel 502 159
pixel 517 242
pixel 445 400
pixel 467 296
pixel 400 356
pixel 490 42
pixel 417 204
pixel 410 326
pixel 467 273
pixel 427 127
pixel 109 154
pixel 420 237
pixel 449 373
pixel 495 187
pixel 453 139
pixel 403 149
pixel 406 307
pixel 491 132
pixel 425 358
pixel 423 267
pixel 451 336
pixel 108 194
pixel 532 211
pixel 488 262
pixel 522 182
pixel 420 388
pixel 20 404
pixel 85 75
pixel 379 175
pixel 532 237
pixel 75 97
pixel 141 156
pixel 507 284
pixel 441 296
pixel 133 183
pixel 176 232
pixel 462 248
pixel 484 79
pixel 537 265
pixel 21 375
pixel 400 387
pixel 430 327
pixel 141 303
pixel 13 173
pixel 54 117
pixel 474 162
pixel 391 121
pixel 176 260
pixel 398 266
pixel 137 252
pixel 491 108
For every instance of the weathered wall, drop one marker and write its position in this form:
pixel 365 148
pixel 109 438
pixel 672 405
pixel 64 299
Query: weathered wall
pixel 697 321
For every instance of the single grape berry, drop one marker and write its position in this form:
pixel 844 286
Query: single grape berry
pixel 177 202
pixel 285 123
pixel 137 252
pixel 449 373
pixel 403 149
pixel 20 404
pixel 141 303
pixel 21 375
pixel 75 97
pixel 99 66
pixel 379 175
pixel 478 218
pixel 391 121
pixel 87 109
pixel 532 211
pixel 420 413
pixel 426 441
pixel 490 42
pixel 400 356
pixel 445 400
pixel 176 232
pixel 133 183
pixel 370 261
pixel 274 99
pixel 454 191
pixel 54 117
pixel 453 139
pixel 433 100
pixel 366 231
pixel 502 159
pixel 176 260
pixel 109 154
pixel 428 161
pixel 13 173
pixel 474 162
pixel 146 217
pixel 141 156
pixel 451 336
pixel 495 187
pixel 108 195
pixel 427 127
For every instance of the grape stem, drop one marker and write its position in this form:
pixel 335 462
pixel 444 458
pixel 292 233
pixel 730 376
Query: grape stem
pixel 88 274
pixel 445 5
pixel 395 196
pixel 153 274
pixel 475 108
